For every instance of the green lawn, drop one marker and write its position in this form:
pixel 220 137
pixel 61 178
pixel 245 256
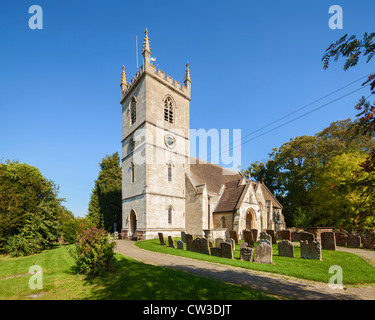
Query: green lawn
pixel 133 280
pixel 355 269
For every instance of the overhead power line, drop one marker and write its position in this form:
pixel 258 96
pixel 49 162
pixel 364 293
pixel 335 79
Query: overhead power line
pixel 293 112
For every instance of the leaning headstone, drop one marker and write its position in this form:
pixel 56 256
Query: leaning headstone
pixel 231 241
pixel 273 236
pixel 285 235
pixel 248 237
pixel 171 242
pixel 204 246
pixel 295 236
pixel 183 236
pixel 247 253
pixel 341 238
pixel 243 245
pixel 307 236
pixel 311 250
pixel 354 240
pixel 215 252
pixel 328 240
pixel 189 242
pixel 218 241
pixel 255 234
pixel 286 248
pixel 226 250
pixel 233 235
pixel 263 252
pixel 180 244
pixel 161 239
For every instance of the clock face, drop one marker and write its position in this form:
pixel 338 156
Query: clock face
pixel 170 141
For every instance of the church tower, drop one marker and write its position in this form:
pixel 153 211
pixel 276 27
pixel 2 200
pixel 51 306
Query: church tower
pixel 155 149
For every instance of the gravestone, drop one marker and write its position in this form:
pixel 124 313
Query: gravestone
pixel 354 240
pixel 285 235
pixel 263 252
pixel 218 241
pixel 368 240
pixel 204 246
pixel 286 248
pixel 248 237
pixel 197 244
pixel 233 235
pixel 307 236
pixel 328 240
pixel 215 252
pixel 161 239
pixel 183 236
pixel 180 244
pixel 255 234
pixel 246 253
pixel 273 236
pixel 226 250
pixel 189 242
pixel 243 244
pixel 311 250
pixel 265 236
pixel 171 242
pixel 231 241
pixel 341 238
pixel 295 236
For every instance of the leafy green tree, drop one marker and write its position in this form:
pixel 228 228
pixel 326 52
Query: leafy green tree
pixel 24 192
pixel 105 201
pixel 290 171
pixel 336 202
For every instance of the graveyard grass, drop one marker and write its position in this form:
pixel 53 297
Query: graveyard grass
pixel 355 269
pixel 132 280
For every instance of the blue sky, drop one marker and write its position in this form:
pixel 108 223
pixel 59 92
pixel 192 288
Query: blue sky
pixel 251 62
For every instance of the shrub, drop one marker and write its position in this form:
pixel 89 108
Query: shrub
pixel 93 253
pixel 21 245
pixel 74 227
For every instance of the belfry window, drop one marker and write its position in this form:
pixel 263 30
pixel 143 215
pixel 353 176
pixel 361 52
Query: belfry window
pixel 133 112
pixel 168 109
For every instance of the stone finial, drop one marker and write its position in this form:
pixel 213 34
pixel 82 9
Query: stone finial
pixel 123 77
pixel 187 73
pixel 146 43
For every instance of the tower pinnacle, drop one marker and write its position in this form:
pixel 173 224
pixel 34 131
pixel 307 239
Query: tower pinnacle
pixel 123 77
pixel 187 74
pixel 146 43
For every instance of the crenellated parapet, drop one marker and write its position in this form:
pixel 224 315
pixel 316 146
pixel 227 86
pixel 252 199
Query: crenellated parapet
pixel 156 73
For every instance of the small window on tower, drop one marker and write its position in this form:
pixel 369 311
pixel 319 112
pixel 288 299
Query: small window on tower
pixel 170 215
pixel 132 173
pixel 168 109
pixel 133 112
pixel 169 173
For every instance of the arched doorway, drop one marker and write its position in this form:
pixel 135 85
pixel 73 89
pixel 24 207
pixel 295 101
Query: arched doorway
pixel 132 222
pixel 250 217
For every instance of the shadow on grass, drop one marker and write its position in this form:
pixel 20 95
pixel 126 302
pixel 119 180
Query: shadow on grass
pixel 135 280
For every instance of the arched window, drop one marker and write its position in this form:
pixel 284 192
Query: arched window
pixel 132 173
pixel 223 222
pixel 133 111
pixel 170 209
pixel 169 172
pixel 168 109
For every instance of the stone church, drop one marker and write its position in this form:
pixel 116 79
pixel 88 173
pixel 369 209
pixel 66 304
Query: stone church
pixel 166 190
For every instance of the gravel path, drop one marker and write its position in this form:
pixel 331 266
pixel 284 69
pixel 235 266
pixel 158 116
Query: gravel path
pixel 278 285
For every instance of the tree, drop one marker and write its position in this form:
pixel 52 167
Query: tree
pixel 105 202
pixel 30 211
pixel 336 202
pixel 290 172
